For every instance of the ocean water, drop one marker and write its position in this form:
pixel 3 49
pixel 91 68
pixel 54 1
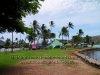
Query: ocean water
pixel 95 54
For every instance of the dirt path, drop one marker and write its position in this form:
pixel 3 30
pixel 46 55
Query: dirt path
pixel 50 68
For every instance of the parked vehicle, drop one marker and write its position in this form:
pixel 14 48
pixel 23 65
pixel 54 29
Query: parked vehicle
pixel 36 46
pixel 81 45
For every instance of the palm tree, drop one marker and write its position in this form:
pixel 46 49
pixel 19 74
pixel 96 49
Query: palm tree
pixel 12 42
pixel 51 24
pixel 67 34
pixel 16 39
pixel 63 32
pixel 88 39
pixel 31 35
pixel 52 35
pixel 70 25
pixel 44 33
pixel 80 32
pixel 36 29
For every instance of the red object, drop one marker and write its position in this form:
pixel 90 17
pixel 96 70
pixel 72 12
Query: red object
pixel 34 46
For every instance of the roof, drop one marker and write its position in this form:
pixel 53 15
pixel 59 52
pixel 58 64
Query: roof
pixel 2 43
pixel 63 41
pixel 56 43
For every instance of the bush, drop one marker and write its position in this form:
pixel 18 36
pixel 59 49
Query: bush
pixel 68 45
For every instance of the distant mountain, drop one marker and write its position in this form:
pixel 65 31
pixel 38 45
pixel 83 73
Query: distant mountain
pixel 96 39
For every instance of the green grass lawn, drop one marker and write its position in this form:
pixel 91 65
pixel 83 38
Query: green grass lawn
pixel 6 60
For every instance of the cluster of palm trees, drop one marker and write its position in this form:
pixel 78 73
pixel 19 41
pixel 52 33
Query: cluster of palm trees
pixel 65 31
pixel 78 38
pixel 41 31
pixel 38 31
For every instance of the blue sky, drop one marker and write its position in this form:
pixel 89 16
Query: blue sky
pixel 84 14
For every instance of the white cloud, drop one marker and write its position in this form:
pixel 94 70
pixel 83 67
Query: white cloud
pixel 68 6
pixel 82 13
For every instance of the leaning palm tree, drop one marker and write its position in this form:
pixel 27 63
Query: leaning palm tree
pixel 36 29
pixel 44 34
pixel 70 25
pixel 30 39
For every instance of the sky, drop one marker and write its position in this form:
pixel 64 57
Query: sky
pixel 84 14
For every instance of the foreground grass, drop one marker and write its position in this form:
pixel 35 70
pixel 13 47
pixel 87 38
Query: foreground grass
pixel 7 61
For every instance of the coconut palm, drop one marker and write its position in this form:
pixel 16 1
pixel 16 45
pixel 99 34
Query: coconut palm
pixel 51 24
pixel 31 37
pixel 88 39
pixel 63 32
pixel 16 39
pixel 80 32
pixel 70 25
pixel 45 34
pixel 52 35
pixel 36 29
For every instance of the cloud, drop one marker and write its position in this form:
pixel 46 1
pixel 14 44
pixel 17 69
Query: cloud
pixel 84 14
pixel 79 12
pixel 68 6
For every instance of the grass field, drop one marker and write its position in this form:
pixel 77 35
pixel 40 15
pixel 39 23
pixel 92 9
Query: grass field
pixel 7 61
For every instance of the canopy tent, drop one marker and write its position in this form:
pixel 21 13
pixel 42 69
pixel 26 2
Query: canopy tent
pixel 56 43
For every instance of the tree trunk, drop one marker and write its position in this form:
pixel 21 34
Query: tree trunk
pixel 12 43
pixel 62 38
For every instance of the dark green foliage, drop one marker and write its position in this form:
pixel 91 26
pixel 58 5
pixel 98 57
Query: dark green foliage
pixel 12 11
pixel 77 39
pixel 80 32
pixel 88 39
pixel 7 43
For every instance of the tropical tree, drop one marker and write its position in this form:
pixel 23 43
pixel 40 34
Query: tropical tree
pixel 12 42
pixel 21 43
pixel 80 33
pixel 36 29
pixel 70 25
pixel 88 39
pixel 31 37
pixel 16 39
pixel 52 35
pixel 63 32
pixel 44 34
pixel 52 24
pixel 7 44
pixel 76 39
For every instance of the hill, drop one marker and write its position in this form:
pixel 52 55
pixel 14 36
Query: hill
pixel 96 39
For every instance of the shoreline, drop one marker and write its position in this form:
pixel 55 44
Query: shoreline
pixel 87 59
